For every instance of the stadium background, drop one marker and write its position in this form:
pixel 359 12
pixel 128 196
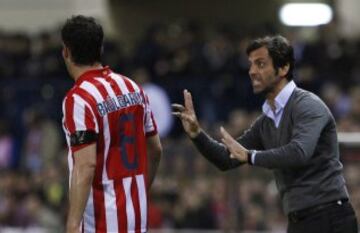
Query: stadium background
pixel 167 46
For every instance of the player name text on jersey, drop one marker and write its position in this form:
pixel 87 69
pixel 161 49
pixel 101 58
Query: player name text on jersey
pixel 121 101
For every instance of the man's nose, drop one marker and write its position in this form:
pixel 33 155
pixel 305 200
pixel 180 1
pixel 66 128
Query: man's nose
pixel 252 70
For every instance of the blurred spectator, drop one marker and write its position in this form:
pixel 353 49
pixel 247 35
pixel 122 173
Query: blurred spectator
pixel 218 52
pixel 42 140
pixel 6 145
pixel 238 121
pixel 338 102
pixel 195 210
pixel 36 214
pixel 150 49
pixel 159 101
pixel 351 121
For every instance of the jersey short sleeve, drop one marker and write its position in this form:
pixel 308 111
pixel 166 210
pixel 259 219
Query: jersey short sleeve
pixel 80 122
pixel 150 124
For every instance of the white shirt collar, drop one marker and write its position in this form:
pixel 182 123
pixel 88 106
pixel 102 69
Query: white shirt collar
pixel 281 99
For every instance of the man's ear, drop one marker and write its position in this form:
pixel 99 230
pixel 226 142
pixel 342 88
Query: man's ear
pixel 283 71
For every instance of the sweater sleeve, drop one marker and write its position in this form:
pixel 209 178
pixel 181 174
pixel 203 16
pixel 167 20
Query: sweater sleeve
pixel 310 116
pixel 215 152
pixel 218 154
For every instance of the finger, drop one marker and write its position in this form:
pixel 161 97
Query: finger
pixel 227 144
pixel 188 100
pixel 229 147
pixel 233 156
pixel 224 133
pixel 230 141
pixel 183 116
pixel 178 107
pixel 178 114
pixel 186 117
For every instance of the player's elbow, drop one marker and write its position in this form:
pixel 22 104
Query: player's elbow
pixel 154 148
pixel 83 173
pixel 158 151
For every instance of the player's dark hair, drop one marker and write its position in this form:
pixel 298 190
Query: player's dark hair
pixel 280 51
pixel 84 38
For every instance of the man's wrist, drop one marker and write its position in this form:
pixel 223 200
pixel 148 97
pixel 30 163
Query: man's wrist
pixel 194 134
pixel 251 156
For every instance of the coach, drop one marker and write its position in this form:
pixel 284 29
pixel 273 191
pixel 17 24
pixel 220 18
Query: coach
pixel 295 136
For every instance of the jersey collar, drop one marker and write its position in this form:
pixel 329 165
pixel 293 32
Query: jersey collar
pixel 93 73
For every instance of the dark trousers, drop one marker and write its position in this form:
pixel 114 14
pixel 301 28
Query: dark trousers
pixel 333 218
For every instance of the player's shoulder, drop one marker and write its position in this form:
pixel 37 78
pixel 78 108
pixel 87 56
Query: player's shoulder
pixel 75 90
pixel 125 79
pixel 76 94
pixel 69 93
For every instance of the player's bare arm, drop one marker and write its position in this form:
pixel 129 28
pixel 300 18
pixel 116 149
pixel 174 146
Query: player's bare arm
pixel 154 151
pixel 187 115
pixel 81 181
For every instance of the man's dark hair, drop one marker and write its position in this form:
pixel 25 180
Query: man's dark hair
pixel 280 51
pixel 84 37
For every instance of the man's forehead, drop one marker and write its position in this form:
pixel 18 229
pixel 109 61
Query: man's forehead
pixel 260 53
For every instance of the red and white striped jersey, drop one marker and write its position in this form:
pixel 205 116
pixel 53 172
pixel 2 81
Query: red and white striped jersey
pixel 117 110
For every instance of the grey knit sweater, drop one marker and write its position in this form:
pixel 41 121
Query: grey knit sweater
pixel 303 152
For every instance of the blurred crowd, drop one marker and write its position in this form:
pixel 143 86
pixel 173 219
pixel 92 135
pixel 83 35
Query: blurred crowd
pixel 188 191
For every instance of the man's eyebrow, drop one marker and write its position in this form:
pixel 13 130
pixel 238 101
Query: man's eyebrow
pixel 260 59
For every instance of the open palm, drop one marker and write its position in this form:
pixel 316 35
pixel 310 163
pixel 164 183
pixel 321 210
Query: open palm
pixel 187 115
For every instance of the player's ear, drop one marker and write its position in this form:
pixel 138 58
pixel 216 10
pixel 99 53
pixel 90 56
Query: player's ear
pixel 65 52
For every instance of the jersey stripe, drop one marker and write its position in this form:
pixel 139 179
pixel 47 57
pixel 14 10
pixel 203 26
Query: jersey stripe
pixel 91 103
pixel 114 85
pixel 89 114
pixel 108 90
pixel 129 85
pixel 130 213
pixel 120 82
pixel 89 215
pixel 110 206
pixel 79 113
pixel 140 181
pixel 99 209
pixel 69 109
pixel 89 122
pixel 135 198
pixel 135 87
pixel 121 203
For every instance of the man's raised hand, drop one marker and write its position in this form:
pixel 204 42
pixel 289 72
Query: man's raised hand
pixel 187 115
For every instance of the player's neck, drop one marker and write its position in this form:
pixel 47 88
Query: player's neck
pixel 77 71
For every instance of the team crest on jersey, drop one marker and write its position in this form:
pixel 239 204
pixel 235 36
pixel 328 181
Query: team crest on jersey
pixel 112 104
